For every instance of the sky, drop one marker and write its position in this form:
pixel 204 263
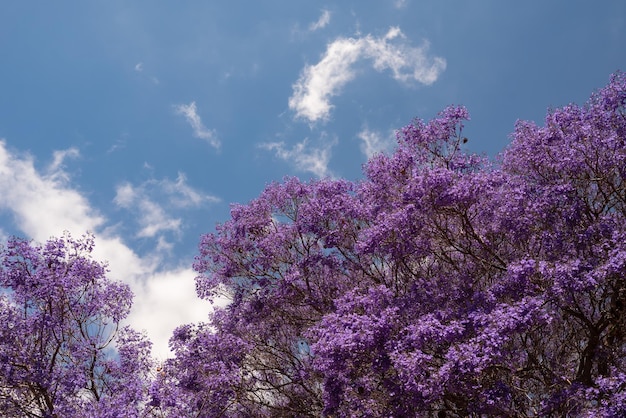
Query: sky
pixel 142 122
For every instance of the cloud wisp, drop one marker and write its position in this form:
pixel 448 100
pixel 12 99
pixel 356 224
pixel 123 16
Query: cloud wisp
pixel 43 205
pixel 190 112
pixel 154 201
pixel 304 157
pixel 139 68
pixel 317 84
pixel 374 142
pixel 152 217
pixel 322 22
pixel 55 169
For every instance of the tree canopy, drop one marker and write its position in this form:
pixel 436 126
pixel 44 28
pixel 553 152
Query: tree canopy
pixel 59 318
pixel 443 284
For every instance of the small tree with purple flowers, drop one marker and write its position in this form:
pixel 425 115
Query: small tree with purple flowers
pixel 59 324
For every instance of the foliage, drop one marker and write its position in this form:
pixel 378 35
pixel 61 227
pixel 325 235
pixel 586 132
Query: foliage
pixel 440 285
pixel 59 317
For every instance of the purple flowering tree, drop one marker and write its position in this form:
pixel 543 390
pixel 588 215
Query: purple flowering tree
pixel 442 285
pixel 62 350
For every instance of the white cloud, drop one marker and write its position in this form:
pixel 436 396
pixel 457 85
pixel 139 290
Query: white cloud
pixel 154 200
pixel 318 83
pixel 151 217
pixel 55 169
pixel 169 297
pixel 406 63
pixel 139 67
pixel 304 157
pixel 321 22
pixel 183 195
pixel 44 206
pixel 156 220
pixel 163 246
pixel 24 191
pixel 190 112
pixel 59 156
pixel 374 142
pixel 125 195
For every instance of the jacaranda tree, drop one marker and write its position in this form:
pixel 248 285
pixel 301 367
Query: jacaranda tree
pixel 62 351
pixel 441 285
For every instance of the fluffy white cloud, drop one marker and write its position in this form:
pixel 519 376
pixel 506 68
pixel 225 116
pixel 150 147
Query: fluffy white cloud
pixel 405 62
pixel 169 297
pixel 374 142
pixel 318 83
pixel 304 156
pixel 42 204
pixel 321 22
pixel 45 205
pixel 190 112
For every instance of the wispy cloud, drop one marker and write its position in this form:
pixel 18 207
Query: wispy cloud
pixel 151 217
pixel 190 112
pixel 139 68
pixel 321 22
pixel 374 142
pixel 56 167
pixel 318 83
pixel 303 156
pixel 43 204
pixel 155 201
pixel 119 143
pixel 184 196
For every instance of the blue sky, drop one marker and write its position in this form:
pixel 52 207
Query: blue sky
pixel 143 121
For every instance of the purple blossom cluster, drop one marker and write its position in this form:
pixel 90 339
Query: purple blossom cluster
pixel 441 285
